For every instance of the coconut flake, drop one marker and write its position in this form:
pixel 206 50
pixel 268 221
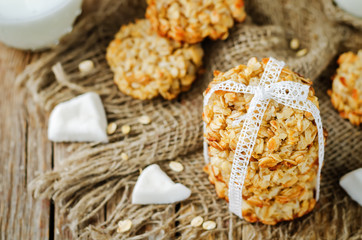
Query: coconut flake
pixel 352 184
pixel 81 119
pixel 155 187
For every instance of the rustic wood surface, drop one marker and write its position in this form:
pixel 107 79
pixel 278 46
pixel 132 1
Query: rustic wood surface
pixel 25 152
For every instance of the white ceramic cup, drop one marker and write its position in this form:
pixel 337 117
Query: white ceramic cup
pixel 353 7
pixel 36 24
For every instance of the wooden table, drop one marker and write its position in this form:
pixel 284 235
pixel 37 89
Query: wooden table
pixel 25 152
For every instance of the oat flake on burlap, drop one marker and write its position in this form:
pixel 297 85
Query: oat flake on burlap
pixel 93 174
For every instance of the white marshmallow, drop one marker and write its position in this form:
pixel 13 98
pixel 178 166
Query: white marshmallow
pixel 155 187
pixel 352 184
pixel 81 119
pixel 353 7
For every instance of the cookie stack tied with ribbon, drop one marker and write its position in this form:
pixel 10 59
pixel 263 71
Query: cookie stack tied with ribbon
pixel 264 141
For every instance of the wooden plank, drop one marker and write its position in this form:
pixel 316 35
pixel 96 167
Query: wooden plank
pixel 61 229
pixel 39 154
pixel 21 216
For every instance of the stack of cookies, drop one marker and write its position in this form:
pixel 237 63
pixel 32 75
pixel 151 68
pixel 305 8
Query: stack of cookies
pixel 161 55
pixel 282 172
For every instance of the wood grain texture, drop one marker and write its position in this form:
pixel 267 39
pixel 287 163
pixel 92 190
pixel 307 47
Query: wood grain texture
pixel 39 155
pixel 61 228
pixel 26 152
pixel 22 154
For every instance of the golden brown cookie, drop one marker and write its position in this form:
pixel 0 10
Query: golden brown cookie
pixel 193 20
pixel 146 65
pixel 346 93
pixel 281 176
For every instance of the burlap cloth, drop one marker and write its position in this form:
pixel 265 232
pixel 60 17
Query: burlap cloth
pixel 95 173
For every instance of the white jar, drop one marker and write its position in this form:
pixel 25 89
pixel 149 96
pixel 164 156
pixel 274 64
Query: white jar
pixel 36 24
pixel 353 7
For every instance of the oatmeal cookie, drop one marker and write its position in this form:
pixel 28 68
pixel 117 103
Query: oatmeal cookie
pixel 146 65
pixel 193 20
pixel 282 172
pixel 346 93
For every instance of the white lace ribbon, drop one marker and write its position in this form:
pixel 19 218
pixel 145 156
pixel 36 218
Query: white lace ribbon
pixel 288 93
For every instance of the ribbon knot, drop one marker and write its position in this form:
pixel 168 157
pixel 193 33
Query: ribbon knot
pixel 288 93
pixel 263 93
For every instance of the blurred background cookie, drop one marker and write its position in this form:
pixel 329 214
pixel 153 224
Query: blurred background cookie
pixel 346 93
pixel 192 21
pixel 146 65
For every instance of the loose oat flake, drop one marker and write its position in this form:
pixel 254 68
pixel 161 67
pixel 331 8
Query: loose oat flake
pixel 111 128
pixel 124 156
pixel 197 221
pixel 302 52
pixel 124 226
pixel 176 166
pixel 125 129
pixel 86 66
pixel 209 225
pixel 294 44
pixel 144 119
